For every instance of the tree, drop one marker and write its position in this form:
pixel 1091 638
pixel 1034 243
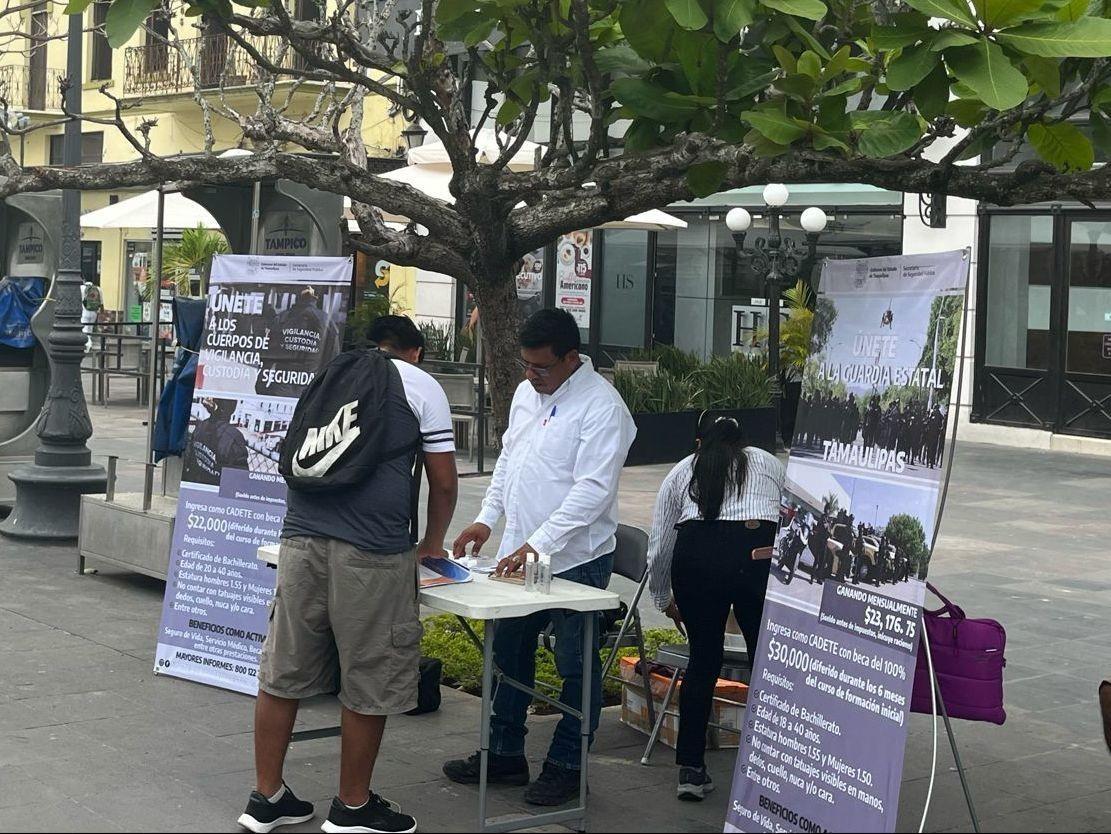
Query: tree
pixel 907 536
pixel 650 102
pixel 192 255
pixel 831 504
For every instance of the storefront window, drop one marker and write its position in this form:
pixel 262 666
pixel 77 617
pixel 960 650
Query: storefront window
pixel 137 269
pixel 1089 337
pixel 1019 277
pixel 624 287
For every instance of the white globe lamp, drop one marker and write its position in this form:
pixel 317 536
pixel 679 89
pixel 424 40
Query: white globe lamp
pixel 738 220
pixel 813 220
pixel 776 194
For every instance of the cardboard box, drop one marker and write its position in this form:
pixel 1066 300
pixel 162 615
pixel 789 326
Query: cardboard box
pixel 726 711
pixel 727 690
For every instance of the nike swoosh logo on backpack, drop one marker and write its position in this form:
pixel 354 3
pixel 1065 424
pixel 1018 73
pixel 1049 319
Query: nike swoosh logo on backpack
pixel 334 438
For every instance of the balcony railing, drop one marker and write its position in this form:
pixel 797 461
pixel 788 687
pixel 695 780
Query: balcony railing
pixel 161 69
pixel 23 89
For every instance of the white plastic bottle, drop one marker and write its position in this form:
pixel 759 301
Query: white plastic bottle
pixel 532 571
pixel 544 578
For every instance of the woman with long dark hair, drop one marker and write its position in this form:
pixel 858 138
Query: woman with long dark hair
pixel 714 509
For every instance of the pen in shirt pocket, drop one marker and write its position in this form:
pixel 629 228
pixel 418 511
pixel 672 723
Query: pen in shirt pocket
pixel 550 415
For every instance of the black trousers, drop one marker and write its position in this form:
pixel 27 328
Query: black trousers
pixel 712 570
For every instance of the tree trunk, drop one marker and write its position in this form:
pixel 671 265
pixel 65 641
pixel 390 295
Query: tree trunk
pixel 499 315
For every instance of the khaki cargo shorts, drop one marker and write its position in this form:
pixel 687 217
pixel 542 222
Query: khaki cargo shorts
pixel 345 620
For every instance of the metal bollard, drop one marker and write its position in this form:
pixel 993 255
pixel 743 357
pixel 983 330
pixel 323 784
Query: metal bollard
pixel 148 485
pixel 110 493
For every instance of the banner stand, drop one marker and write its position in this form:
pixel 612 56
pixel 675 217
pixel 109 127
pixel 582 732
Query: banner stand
pixel 937 527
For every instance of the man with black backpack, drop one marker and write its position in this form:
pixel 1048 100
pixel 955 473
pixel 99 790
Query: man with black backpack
pixel 346 610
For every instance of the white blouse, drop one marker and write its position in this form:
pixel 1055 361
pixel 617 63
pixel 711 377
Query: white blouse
pixel 759 500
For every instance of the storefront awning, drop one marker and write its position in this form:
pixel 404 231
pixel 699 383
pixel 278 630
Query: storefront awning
pixel 802 195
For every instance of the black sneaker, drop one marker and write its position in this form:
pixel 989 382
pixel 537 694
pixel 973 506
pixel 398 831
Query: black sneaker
pixel 377 816
pixel 554 786
pixel 263 816
pixel 694 784
pixel 501 770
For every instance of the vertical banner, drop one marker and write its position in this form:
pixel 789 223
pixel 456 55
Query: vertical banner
pixel 825 730
pixel 574 275
pixel 271 324
pixel 530 283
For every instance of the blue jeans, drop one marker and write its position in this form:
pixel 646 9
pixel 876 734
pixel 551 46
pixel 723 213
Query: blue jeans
pixel 515 645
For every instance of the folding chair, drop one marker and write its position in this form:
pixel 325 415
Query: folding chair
pixel 735 666
pixel 624 630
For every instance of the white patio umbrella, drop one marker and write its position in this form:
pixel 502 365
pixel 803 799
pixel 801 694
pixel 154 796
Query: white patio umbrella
pixel 434 153
pixel 141 212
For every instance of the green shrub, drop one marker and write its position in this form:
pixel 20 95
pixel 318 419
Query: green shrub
pixel 733 382
pixel 678 363
pixel 654 393
pixel 445 639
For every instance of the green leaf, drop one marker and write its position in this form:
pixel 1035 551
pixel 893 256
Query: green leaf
pixel 653 101
pixel 642 135
pixel 1101 133
pixel 705 178
pixel 1088 37
pixel 837 63
pixel 912 65
pixel 449 10
pixel 931 95
pixel 620 59
pixel 948 37
pixel 1045 72
pixel 797 86
pixel 955 10
pixel 989 73
pixel 508 112
pixel 763 146
pixel 810 40
pixel 809 9
pixel 967 112
pixel 77 6
pixel 697 53
pixel 810 64
pixel 885 133
pixel 1062 145
pixel 1073 10
pixel 689 14
pixel 894 37
pixel 748 86
pixel 786 59
pixel 824 141
pixel 731 16
pixel 774 125
pixel 1000 13
pixel 125 17
pixel 649 28
pixel 847 87
pixel 832 116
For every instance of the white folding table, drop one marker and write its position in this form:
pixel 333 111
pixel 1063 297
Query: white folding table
pixel 489 600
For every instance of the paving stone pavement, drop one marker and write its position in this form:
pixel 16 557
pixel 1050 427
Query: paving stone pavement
pixel 91 740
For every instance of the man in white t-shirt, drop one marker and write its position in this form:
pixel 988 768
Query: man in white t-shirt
pixel 346 607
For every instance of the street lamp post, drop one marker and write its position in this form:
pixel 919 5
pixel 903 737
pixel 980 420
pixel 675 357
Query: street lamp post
pixel 48 492
pixel 776 261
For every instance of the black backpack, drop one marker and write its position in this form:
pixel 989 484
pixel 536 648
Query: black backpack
pixel 337 436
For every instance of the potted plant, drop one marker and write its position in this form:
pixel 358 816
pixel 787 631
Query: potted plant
pixel 661 405
pixel 738 386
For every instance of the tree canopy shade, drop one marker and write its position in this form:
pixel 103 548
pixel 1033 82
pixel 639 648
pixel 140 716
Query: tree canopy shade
pixel 646 102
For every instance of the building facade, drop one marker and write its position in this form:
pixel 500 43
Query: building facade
pixel 158 81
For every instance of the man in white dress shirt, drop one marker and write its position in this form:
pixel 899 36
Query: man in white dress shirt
pixel 556 486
